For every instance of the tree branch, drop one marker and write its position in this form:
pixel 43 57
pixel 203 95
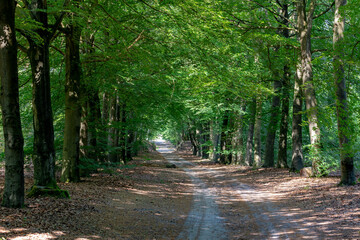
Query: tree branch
pixel 324 12
pixel 353 50
pixel 58 22
pixel 22 48
pixel 271 11
pixel 58 50
pixel 136 40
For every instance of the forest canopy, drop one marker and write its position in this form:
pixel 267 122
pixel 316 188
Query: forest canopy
pixel 250 82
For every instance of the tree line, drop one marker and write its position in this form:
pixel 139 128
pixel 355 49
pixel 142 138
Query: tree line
pixel 97 79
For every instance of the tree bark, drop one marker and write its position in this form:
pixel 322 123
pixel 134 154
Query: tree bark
pixel 44 151
pixel 257 135
pixel 94 121
pixel 84 140
pixel 344 132
pixel 237 140
pixel 272 127
pixel 297 154
pixel 206 138
pixel 215 140
pixel 70 165
pixel 122 133
pixel 105 109
pixel 250 135
pixel 305 21
pixel 13 195
pixel 113 136
pixel 224 143
pixel 282 156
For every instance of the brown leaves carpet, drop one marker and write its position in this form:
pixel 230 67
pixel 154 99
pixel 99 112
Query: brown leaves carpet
pixel 147 200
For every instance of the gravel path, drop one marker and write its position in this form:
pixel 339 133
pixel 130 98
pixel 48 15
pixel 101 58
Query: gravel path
pixel 203 221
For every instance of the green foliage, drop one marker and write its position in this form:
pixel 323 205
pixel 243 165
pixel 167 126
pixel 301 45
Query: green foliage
pixel 179 65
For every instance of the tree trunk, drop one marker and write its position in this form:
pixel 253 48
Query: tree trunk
pixel 199 141
pixel 206 138
pixel 94 121
pixel 224 155
pixel 257 135
pixel 237 139
pixel 84 140
pixel 70 165
pixel 13 195
pixel 344 132
pixel 113 136
pixel 193 142
pixel 44 152
pixel 250 136
pixel 272 127
pixel 122 133
pixel 105 109
pixel 282 156
pixel 215 140
pixel 297 155
pixel 305 20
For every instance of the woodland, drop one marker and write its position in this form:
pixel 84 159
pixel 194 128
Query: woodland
pixel 86 86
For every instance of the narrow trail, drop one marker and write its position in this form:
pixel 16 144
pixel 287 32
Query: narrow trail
pixel 205 221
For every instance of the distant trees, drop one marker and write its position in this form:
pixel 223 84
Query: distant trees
pixel 290 59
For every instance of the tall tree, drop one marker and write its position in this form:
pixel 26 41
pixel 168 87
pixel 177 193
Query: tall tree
pixel 285 83
pixel 39 42
pixel 285 98
pixel 305 23
pixel 71 151
pixel 257 135
pixel 272 127
pixel 250 135
pixel 14 154
pixel 237 141
pixel 344 132
pixel 297 155
pixel 113 136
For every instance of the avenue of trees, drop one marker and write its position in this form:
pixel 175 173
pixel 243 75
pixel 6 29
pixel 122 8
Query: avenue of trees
pixel 86 84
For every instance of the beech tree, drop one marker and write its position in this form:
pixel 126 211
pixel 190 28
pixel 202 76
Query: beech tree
pixel 14 154
pixel 297 159
pixel 39 38
pixel 305 24
pixel 71 150
pixel 344 126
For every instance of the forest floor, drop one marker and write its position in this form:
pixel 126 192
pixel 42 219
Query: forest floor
pixel 148 199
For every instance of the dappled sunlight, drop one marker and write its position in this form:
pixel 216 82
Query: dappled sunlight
pixel 26 234
pixel 196 196
pixel 36 234
pixel 273 203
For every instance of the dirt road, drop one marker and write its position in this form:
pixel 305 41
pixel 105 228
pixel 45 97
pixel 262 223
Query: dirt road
pixel 204 220
pixel 198 199
pixel 226 208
